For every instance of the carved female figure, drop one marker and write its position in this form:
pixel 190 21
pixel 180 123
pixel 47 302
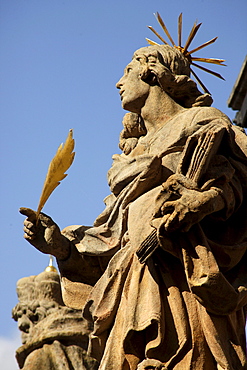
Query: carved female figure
pixel 165 263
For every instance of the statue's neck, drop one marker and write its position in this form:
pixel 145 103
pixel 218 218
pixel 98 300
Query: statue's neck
pixel 158 109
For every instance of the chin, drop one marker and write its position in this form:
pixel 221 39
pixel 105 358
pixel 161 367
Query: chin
pixel 131 107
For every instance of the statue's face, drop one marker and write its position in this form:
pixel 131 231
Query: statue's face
pixel 133 90
pixel 27 318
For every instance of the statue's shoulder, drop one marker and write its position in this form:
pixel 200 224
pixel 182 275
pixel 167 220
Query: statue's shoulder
pixel 209 114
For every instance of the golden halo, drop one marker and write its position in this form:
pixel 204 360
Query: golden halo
pixel 184 49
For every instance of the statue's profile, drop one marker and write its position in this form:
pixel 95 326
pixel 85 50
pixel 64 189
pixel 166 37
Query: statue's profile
pixel 166 260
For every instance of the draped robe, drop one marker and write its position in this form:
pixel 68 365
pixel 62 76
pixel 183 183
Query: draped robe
pixel 185 306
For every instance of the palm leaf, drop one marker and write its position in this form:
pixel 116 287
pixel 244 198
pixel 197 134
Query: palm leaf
pixel 56 171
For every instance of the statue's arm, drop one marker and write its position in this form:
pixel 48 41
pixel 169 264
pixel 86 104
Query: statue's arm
pixel 201 185
pixel 47 238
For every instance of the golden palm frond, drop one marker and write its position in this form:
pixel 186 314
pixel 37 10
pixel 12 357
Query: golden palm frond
pixel 56 171
pixel 184 50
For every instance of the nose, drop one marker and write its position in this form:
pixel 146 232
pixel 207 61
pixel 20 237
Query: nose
pixel 24 324
pixel 119 84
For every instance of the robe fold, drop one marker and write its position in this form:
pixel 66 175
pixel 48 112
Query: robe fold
pixel 185 306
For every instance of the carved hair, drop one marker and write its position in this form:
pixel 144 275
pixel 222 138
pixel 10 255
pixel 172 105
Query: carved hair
pixel 167 67
pixel 134 128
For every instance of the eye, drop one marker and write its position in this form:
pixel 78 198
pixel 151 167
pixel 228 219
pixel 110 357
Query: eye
pixel 34 317
pixel 128 69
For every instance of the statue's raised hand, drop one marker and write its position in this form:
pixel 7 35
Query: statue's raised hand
pixel 45 235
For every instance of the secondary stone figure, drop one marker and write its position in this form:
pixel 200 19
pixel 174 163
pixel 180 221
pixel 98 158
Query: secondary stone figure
pixel 53 335
pixel 166 260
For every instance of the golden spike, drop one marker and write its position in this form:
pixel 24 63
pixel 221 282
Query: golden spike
pixel 56 171
pixel 210 60
pixel 180 21
pixel 202 46
pixel 184 50
pixel 151 42
pixel 160 20
pixel 200 82
pixel 208 70
pixel 157 34
pixel 192 34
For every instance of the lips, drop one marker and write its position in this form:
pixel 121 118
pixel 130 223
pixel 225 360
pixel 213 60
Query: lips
pixel 121 94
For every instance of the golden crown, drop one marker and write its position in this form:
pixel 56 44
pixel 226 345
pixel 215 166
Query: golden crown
pixel 184 49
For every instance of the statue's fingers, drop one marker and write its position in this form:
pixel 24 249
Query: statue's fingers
pixel 45 220
pixel 28 228
pixel 28 223
pixel 171 222
pixel 31 215
pixel 168 207
pixel 28 234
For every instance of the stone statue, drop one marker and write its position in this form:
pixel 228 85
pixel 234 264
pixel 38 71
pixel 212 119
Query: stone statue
pixel 166 261
pixel 53 335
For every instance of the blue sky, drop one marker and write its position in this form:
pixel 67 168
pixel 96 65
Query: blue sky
pixel 59 62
